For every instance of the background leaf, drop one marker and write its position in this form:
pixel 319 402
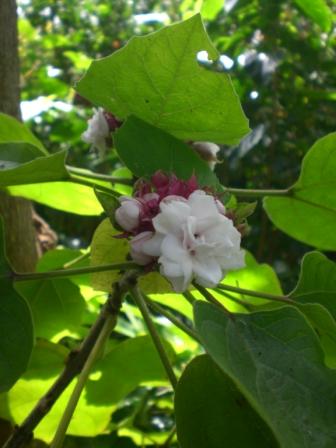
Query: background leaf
pixel 276 361
pixel 12 130
pixel 16 327
pixel 318 10
pixel 211 412
pixel 312 206
pixel 65 196
pixel 120 371
pixel 145 149
pixel 22 163
pixel 158 79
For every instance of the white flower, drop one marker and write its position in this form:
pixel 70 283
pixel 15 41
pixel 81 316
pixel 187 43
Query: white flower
pixel 97 131
pixel 137 253
pixel 194 239
pixel 208 151
pixel 128 214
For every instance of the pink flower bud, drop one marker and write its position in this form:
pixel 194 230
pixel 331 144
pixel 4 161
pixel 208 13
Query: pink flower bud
pixel 137 253
pixel 128 214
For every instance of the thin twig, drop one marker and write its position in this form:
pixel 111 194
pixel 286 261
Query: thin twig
pixel 173 319
pixel 187 295
pixel 257 193
pixel 23 433
pixel 259 295
pixel 71 272
pixel 246 305
pixel 91 175
pixel 109 324
pixel 141 303
pixel 210 298
pixel 169 439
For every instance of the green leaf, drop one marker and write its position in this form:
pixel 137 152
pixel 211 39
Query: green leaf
pixel 65 196
pixel 309 214
pixel 23 163
pixel 275 359
pixel 317 282
pixel 211 412
pixel 158 79
pixel 211 8
pixel 13 131
pixel 109 202
pixel 145 149
pixel 56 304
pixel 316 293
pixel 107 249
pixel 118 373
pixel 16 327
pixel 319 11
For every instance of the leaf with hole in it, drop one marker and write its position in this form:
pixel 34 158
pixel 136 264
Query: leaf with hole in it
pixel 309 214
pixel 211 412
pixel 23 163
pixel 145 149
pixel 16 326
pixel 275 359
pixel 158 79
pixel 13 131
pixel 107 249
pixel 65 196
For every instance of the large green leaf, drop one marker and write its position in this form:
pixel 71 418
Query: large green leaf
pixel 118 373
pixel 309 214
pixel 145 149
pixel 23 163
pixel 275 359
pixel 11 130
pixel 318 10
pixel 16 327
pixel 317 282
pixel 316 294
pixel 107 249
pixel 65 196
pixel 56 304
pixel 158 79
pixel 211 412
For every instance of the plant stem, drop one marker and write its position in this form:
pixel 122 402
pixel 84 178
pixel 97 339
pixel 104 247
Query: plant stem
pixel 257 193
pixel 187 295
pixel 91 175
pixel 109 324
pixel 81 181
pixel 259 295
pixel 210 298
pixel 246 305
pixel 76 360
pixel 70 272
pixel 167 442
pixel 141 303
pixel 173 319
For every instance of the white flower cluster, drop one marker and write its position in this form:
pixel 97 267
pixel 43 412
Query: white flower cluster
pixel 192 239
pixel 97 131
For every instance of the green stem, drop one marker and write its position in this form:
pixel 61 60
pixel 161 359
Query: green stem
pixel 71 272
pixel 87 183
pixel 141 303
pixel 76 260
pixel 259 295
pixel 173 319
pixel 91 175
pixel 209 297
pixel 257 193
pixel 76 393
pixel 246 305
pixel 187 295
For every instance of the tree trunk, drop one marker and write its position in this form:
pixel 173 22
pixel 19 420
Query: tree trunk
pixel 17 213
